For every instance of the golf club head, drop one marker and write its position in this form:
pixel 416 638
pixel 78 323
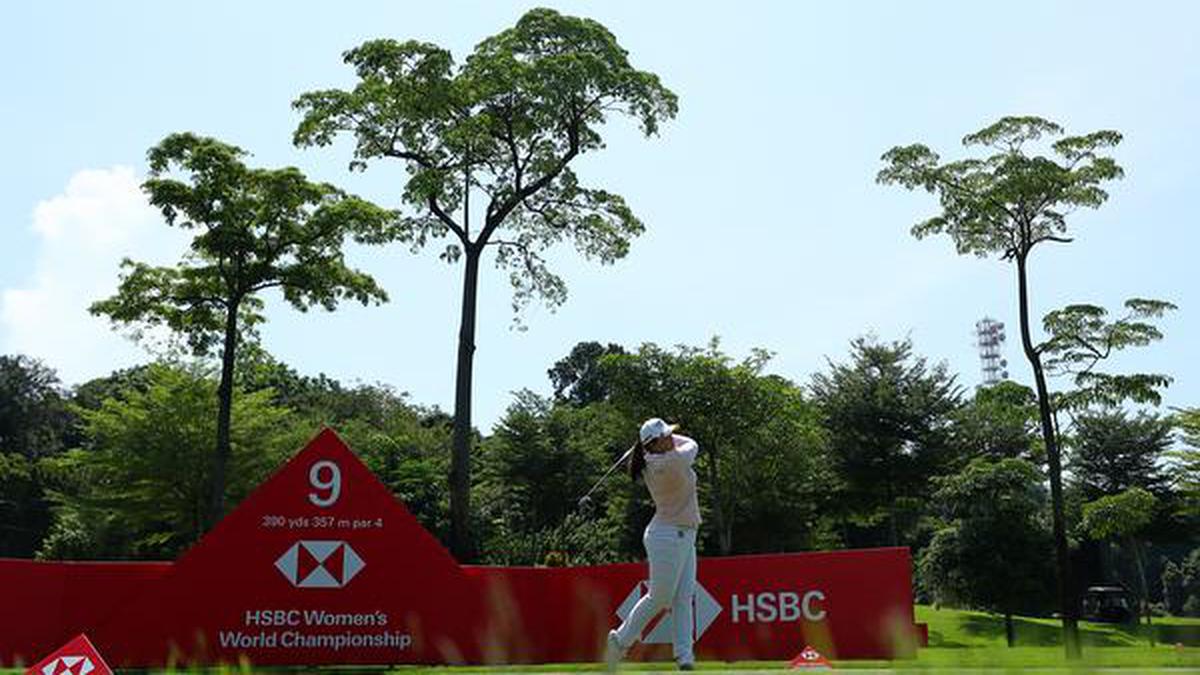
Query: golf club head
pixel 585 504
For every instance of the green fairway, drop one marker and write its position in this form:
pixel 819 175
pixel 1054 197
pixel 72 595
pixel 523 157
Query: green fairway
pixel 955 629
pixel 959 641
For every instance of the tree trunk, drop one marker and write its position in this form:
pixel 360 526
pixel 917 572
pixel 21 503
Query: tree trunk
pixel 460 462
pixel 1145 604
pixel 1066 590
pixel 724 526
pixel 1009 632
pixel 893 530
pixel 216 502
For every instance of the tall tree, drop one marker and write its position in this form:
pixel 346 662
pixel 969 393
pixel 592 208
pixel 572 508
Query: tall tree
pixel 752 428
pixel 410 456
pixel 139 484
pixel 1185 465
pixel 34 422
pixel 33 409
pixel 992 548
pixel 1122 517
pixel 391 435
pixel 578 378
pixel 1000 421
pixel 1082 337
pixel 256 229
pixel 320 397
pixel 1188 421
pixel 1008 204
pixel 1113 452
pixel 508 123
pixel 1181 585
pixel 888 413
pixel 541 458
pixel 92 393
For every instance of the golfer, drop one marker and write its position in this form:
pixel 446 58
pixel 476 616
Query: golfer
pixel 663 459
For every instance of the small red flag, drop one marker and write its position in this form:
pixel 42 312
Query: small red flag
pixel 809 659
pixel 77 657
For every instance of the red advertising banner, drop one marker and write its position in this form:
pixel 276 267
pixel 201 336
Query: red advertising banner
pixel 322 565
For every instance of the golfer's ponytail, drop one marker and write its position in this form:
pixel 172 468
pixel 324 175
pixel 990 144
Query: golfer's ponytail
pixel 637 462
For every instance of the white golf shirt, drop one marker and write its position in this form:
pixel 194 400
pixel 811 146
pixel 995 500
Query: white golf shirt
pixel 672 483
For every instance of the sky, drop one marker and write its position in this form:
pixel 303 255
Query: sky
pixel 764 225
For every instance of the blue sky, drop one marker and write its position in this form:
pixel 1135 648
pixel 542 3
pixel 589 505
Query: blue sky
pixel 764 224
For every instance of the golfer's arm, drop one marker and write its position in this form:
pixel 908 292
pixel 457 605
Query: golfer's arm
pixel 686 447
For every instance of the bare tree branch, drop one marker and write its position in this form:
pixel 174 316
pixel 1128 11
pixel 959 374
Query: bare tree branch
pixel 448 221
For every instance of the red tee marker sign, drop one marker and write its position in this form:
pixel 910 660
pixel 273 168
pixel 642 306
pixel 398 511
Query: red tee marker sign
pixel 77 657
pixel 809 659
pixel 321 564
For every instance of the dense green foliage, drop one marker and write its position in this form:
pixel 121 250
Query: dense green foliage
pixel 1185 468
pixel 532 470
pixel 139 485
pixel 993 548
pixel 121 469
pixel 889 415
pixel 762 456
pixel 1000 422
pixel 34 422
pixel 1181 585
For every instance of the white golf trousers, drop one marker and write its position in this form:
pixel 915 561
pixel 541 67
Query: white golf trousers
pixel 672 555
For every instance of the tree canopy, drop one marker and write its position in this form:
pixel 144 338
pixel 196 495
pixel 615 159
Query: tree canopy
pixel 506 124
pixel 256 229
pixel 888 412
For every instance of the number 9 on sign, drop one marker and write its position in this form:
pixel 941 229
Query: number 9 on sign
pixel 326 477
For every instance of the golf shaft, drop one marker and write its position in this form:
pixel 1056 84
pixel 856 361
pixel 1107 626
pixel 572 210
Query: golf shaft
pixel 608 473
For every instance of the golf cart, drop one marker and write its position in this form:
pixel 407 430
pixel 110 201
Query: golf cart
pixel 1109 604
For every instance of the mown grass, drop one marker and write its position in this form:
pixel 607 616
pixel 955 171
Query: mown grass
pixel 956 629
pixel 958 640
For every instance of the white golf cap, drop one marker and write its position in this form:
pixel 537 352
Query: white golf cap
pixel 655 427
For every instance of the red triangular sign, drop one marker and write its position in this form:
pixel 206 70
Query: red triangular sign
pixel 77 657
pixel 322 549
pixel 809 659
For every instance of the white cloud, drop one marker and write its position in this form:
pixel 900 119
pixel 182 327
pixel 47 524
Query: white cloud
pixel 83 233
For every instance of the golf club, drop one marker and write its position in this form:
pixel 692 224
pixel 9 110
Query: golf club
pixel 586 499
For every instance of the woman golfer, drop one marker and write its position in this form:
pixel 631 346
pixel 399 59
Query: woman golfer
pixel 663 459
